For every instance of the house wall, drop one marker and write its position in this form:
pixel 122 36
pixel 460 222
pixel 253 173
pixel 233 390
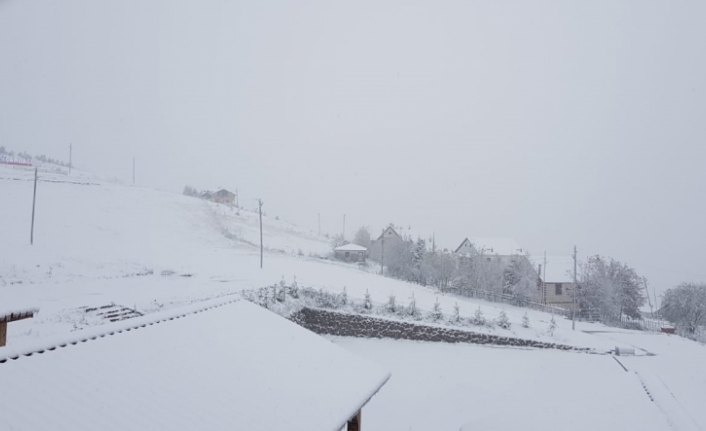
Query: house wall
pixel 350 256
pixel 466 249
pixel 565 299
pixel 391 241
pixel 224 199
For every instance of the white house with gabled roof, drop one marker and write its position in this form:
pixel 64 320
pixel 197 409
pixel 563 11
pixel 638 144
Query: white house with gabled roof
pixel 557 276
pixel 500 249
pixel 214 366
pixel 387 241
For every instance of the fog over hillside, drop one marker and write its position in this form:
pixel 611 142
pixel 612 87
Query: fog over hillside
pixel 553 123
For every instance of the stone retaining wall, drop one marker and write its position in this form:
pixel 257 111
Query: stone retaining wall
pixel 356 325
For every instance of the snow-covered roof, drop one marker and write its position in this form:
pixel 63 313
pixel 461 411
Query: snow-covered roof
pixel 495 246
pixel 387 232
pixel 559 269
pixel 351 247
pixel 230 366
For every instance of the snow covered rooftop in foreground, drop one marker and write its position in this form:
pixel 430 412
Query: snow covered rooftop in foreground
pixel 351 247
pixel 10 314
pixel 231 366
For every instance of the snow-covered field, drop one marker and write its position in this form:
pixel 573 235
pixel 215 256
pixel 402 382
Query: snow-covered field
pixel 99 242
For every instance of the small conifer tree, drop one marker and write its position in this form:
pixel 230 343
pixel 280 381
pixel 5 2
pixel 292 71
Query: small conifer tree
pixel 344 296
pixel 478 318
pixel 436 313
pixel 294 289
pixel 503 321
pixel 367 302
pixel 412 309
pixel 392 303
pixel 552 327
pixel 525 321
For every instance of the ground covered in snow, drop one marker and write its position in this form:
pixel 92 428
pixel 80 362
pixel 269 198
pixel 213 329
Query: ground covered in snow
pixel 446 386
pixel 99 243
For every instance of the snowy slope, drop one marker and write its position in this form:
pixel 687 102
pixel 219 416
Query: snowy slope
pixel 99 242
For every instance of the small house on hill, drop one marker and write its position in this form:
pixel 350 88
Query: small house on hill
pixel 499 249
pixel 351 253
pixel 557 285
pixel 223 196
pixel 388 240
pixel 214 366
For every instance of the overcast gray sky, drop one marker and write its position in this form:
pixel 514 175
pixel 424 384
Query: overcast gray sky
pixel 552 122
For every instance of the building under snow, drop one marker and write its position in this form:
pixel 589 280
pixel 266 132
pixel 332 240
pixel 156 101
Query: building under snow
pixel 217 366
pixel 388 241
pixel 557 276
pixel 351 253
pixel 493 249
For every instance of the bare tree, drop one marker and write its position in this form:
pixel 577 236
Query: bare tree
pixel 612 288
pixel 685 306
pixel 362 237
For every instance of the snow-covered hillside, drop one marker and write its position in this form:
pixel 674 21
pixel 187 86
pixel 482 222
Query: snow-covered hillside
pixel 99 242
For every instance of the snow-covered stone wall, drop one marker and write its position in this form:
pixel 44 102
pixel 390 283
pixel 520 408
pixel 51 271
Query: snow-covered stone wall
pixel 353 325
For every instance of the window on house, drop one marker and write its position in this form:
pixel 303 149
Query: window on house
pixel 558 288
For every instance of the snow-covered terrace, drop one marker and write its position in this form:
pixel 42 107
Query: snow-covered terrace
pixel 219 365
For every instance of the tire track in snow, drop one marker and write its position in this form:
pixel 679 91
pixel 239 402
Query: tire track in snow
pixel 659 393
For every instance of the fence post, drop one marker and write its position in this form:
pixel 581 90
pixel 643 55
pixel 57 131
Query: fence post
pixel 34 202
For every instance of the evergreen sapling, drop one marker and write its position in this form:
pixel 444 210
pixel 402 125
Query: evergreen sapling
pixel 552 327
pixel 525 321
pixel 367 302
pixel 456 316
pixel 503 321
pixel 392 303
pixel 478 318
pixel 436 313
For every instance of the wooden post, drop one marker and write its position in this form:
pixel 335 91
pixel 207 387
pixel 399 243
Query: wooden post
pixel 382 253
pixel 34 202
pixel 354 422
pixel 3 333
pixel 259 201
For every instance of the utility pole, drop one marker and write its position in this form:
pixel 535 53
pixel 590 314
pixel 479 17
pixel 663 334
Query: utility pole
pixel 540 284
pixel 382 252
pixel 70 156
pixel 133 171
pixel 544 277
pixel 649 300
pixel 259 201
pixel 343 234
pixel 319 216
pixel 237 199
pixel 34 201
pixel 573 295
